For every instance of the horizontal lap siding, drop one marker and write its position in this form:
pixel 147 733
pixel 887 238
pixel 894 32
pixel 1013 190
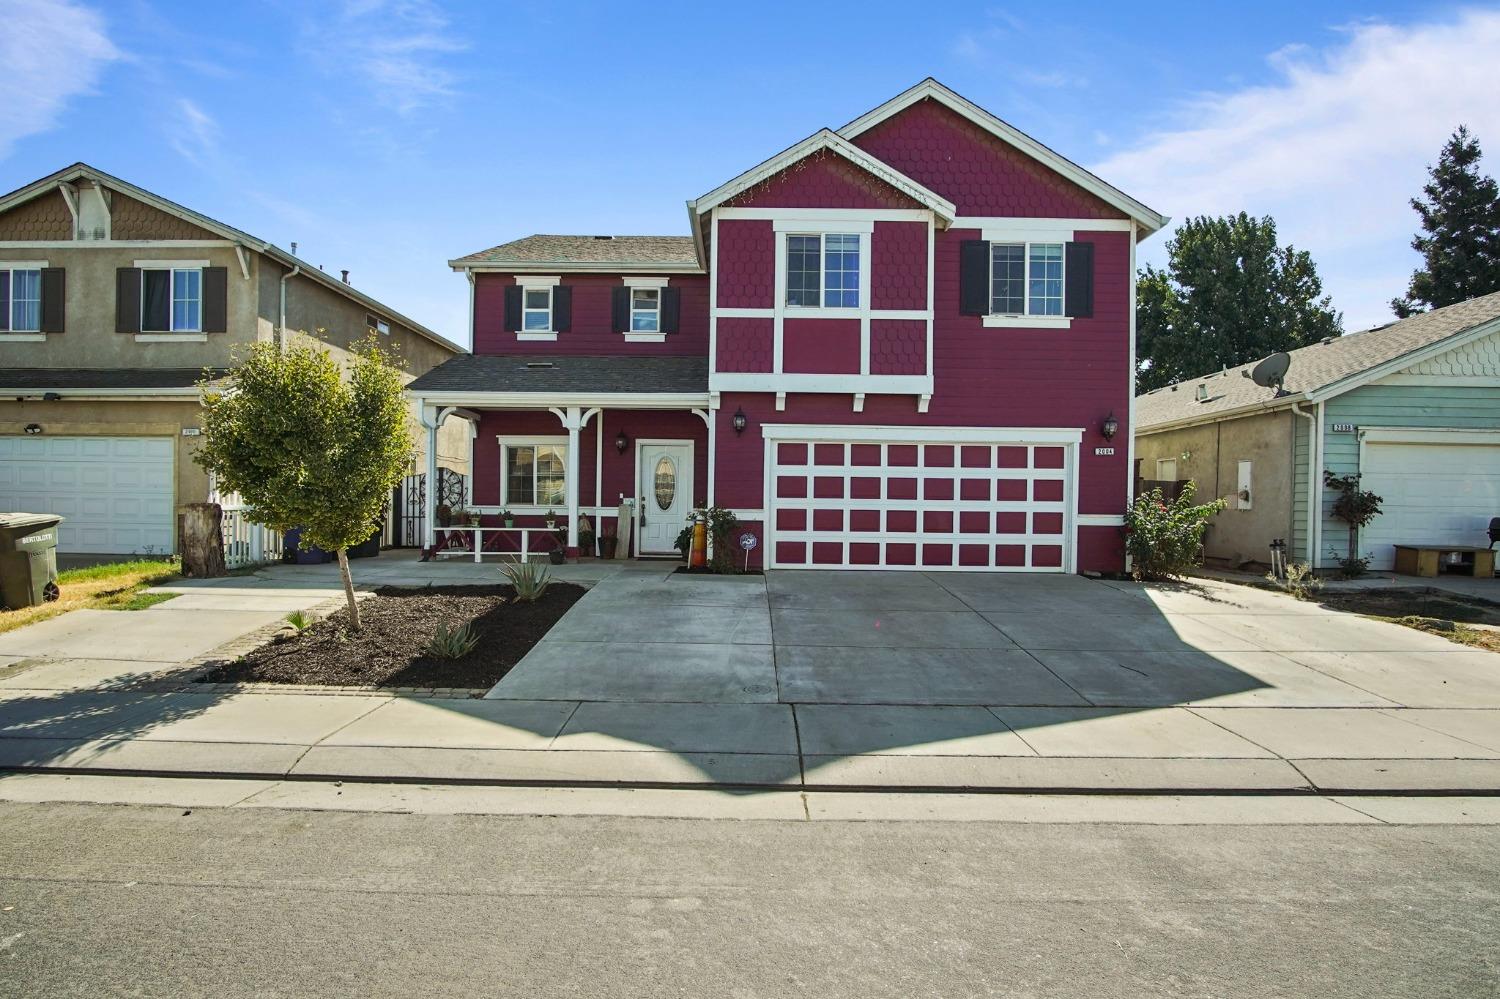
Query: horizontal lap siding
pixel 1470 407
pixel 592 331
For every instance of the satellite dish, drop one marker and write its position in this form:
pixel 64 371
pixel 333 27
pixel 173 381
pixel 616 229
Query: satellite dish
pixel 1271 372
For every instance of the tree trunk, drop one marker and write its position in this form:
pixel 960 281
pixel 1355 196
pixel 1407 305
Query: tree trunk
pixel 202 531
pixel 349 589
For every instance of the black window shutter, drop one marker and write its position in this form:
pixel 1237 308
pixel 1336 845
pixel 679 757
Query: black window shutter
pixel 512 308
pixel 671 309
pixel 127 299
pixel 4 300
pixel 974 277
pixel 215 299
pixel 54 299
pixel 562 309
pixel 619 309
pixel 1078 297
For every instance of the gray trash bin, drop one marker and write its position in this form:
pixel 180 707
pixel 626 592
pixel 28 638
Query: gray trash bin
pixel 28 558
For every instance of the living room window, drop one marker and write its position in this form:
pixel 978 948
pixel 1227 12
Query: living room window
pixel 172 300
pixel 1026 279
pixel 822 270
pixel 534 473
pixel 536 312
pixel 20 300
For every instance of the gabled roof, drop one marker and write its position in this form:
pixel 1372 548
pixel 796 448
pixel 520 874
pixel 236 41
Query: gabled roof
pixel 1149 220
pixel 1322 370
pixel 609 253
pixel 82 171
pixel 833 142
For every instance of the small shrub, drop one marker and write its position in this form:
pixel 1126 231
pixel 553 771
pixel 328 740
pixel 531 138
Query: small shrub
pixel 1164 538
pixel 452 643
pixel 1301 581
pixel 722 525
pixel 301 620
pixel 1352 566
pixel 530 579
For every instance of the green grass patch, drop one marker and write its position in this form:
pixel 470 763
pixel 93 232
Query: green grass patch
pixel 131 600
pixel 138 570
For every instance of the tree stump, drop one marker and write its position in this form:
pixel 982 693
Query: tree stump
pixel 201 528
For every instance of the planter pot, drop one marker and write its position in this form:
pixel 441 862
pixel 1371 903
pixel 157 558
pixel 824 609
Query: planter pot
pixel 510 522
pixel 556 556
pixel 607 547
pixel 551 525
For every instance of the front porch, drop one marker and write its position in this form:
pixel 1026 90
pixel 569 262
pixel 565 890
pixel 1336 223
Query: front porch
pixel 571 469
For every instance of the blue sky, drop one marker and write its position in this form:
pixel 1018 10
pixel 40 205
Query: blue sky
pixel 388 136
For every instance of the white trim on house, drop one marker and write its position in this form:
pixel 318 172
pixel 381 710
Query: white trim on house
pixel 820 140
pixel 995 321
pixel 645 282
pixel 538 335
pixel 930 88
pixel 1427 435
pixel 812 215
pixel 857 434
pixel 169 265
pixel 186 336
pixel 538 280
pixel 1441 381
pixel 838 384
pixel 632 336
pixel 1004 224
pixel 21 265
pixel 640 499
pixel 23 337
pixel 833 222
pixel 1101 520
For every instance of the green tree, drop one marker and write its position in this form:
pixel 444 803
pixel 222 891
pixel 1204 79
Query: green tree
pixel 1230 294
pixel 306 448
pixel 1460 238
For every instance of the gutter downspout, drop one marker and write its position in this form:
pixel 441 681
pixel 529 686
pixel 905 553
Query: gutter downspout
pixel 281 316
pixel 1312 477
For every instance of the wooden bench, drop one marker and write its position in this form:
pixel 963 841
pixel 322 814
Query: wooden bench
pixel 1426 560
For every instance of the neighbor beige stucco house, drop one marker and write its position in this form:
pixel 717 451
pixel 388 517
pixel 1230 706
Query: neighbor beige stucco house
pixel 113 303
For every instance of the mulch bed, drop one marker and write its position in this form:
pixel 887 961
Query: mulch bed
pixel 390 650
pixel 1411 603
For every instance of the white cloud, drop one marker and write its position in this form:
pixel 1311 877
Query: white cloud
pixel 397 47
pixel 52 50
pixel 194 132
pixel 1333 150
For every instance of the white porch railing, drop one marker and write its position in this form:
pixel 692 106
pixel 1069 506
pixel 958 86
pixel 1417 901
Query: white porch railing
pixel 245 542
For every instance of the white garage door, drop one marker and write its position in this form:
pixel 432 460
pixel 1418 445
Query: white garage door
pixel 116 492
pixel 904 504
pixel 1433 494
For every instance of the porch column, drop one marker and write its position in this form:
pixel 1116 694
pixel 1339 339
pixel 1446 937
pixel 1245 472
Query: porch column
pixel 432 418
pixel 572 421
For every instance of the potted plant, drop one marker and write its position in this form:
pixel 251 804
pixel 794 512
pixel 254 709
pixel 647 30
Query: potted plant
pixel 607 544
pixel 508 518
pixel 458 516
pixel 474 518
pixel 559 550
pixel 444 514
pixel 550 519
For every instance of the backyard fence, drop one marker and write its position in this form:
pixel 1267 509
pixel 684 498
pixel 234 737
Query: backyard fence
pixel 245 542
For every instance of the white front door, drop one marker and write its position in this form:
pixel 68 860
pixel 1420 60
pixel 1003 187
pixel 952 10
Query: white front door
pixel 666 494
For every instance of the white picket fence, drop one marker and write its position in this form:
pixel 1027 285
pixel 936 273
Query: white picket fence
pixel 245 542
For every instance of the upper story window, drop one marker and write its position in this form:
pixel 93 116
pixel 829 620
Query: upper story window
pixel 377 325
pixel 172 300
pixel 536 313
pixel 21 300
pixel 1026 279
pixel 822 270
pixel 645 310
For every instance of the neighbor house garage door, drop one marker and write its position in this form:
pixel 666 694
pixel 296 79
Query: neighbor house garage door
pixel 954 503
pixel 1432 494
pixel 116 492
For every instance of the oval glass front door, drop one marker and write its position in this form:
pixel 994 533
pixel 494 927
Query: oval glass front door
pixel 666 482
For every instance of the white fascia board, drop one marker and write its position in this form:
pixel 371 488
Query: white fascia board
pixel 1150 220
pixel 867 215
pixel 1395 364
pixel 921 434
pixel 1005 224
pixel 543 400
pixel 820 140
pixel 1251 409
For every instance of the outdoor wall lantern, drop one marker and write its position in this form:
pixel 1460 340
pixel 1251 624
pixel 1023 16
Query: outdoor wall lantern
pixel 622 441
pixel 739 421
pixel 33 428
pixel 1109 427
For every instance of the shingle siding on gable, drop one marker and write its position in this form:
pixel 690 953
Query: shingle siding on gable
pixel 980 174
pixel 131 219
pixel 44 217
pixel 1477 359
pixel 822 180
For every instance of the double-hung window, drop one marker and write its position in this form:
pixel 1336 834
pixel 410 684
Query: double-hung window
pixel 1026 279
pixel 645 310
pixel 822 270
pixel 172 300
pixel 535 474
pixel 20 300
pixel 536 310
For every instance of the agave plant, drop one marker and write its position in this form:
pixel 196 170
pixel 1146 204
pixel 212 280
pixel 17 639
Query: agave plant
pixel 452 643
pixel 530 579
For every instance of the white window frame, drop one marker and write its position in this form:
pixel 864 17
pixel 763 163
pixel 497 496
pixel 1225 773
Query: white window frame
pixel 377 325
pixel 1027 319
pixel 7 330
pixel 654 312
pixel 632 285
pixel 171 267
pixel 1164 461
pixel 537 282
pixel 861 241
pixel 559 442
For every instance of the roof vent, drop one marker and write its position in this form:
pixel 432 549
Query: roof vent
pixel 604 237
pixel 537 365
pixel 1202 393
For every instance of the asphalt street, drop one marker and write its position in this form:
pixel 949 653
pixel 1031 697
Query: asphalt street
pixel 115 900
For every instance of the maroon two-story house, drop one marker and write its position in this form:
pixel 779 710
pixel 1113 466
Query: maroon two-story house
pixel 906 344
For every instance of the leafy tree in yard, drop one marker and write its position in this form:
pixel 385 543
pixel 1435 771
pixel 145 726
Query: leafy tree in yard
pixel 1230 294
pixel 308 449
pixel 1460 239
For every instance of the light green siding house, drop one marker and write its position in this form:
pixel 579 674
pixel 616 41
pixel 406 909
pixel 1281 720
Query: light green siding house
pixel 1414 407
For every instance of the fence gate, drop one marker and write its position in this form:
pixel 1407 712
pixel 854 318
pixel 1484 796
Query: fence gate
pixel 409 503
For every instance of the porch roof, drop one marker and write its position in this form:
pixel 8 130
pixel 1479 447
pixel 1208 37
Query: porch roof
pixel 565 374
